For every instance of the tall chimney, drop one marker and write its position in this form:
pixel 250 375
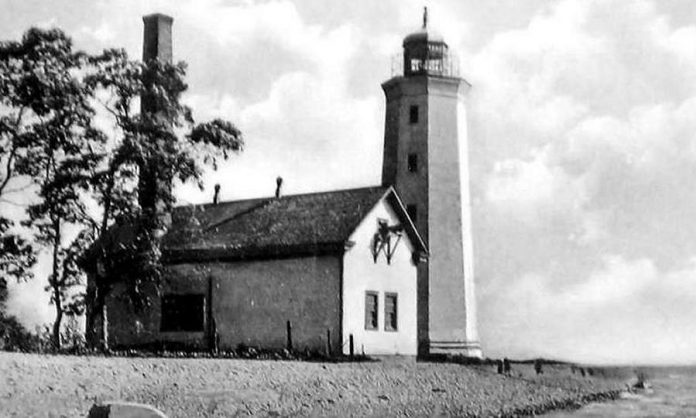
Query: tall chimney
pixel 157 37
pixel 157 45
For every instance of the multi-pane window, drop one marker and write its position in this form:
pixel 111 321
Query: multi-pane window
pixel 413 114
pixel 390 312
pixel 371 307
pixel 412 211
pixel 413 163
pixel 183 312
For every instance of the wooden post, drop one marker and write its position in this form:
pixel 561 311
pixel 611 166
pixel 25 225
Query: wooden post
pixel 288 328
pixel 351 347
pixel 328 342
pixel 105 324
pixel 212 325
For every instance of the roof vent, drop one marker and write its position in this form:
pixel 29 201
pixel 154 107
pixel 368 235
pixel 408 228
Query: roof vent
pixel 216 197
pixel 279 186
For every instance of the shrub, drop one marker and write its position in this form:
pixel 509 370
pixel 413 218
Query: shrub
pixel 14 337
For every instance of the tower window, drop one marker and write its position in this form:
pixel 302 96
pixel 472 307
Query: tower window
pixel 412 211
pixel 412 163
pixel 413 114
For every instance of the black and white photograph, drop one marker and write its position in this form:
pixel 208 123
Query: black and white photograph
pixel 289 208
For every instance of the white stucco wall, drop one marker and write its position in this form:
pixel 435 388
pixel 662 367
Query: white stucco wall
pixel 361 274
pixel 467 231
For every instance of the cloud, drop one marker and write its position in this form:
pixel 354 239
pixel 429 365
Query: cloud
pixel 104 33
pixel 533 189
pixel 309 127
pixel 586 243
pixel 595 320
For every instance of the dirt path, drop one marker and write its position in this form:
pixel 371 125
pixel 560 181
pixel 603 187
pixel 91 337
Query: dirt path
pixel 55 386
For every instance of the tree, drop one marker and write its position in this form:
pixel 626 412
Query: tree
pixel 18 100
pixel 148 151
pixel 92 184
pixel 42 80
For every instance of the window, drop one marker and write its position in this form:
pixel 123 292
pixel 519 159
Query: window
pixel 371 307
pixel 183 313
pixel 412 211
pixel 416 65
pixel 412 163
pixel 390 312
pixel 413 114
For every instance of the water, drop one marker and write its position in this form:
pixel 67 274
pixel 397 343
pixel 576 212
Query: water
pixel 673 395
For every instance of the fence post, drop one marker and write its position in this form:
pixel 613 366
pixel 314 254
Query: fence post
pixel 328 342
pixel 351 347
pixel 288 328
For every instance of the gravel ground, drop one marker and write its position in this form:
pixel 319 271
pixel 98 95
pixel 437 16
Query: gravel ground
pixel 34 385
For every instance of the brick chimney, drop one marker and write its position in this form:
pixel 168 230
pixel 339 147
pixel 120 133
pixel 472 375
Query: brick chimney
pixel 157 45
pixel 157 37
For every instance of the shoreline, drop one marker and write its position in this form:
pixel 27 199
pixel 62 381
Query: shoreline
pixel 571 404
pixel 34 385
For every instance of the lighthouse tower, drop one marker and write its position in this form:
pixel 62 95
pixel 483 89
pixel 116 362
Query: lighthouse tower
pixel 426 159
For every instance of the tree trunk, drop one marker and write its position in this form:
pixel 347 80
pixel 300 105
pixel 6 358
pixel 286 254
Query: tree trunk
pixel 57 322
pixel 104 328
pixel 96 319
pixel 96 315
pixel 55 283
pixel 89 316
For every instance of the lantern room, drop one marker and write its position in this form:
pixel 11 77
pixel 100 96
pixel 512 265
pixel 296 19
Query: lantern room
pixel 426 53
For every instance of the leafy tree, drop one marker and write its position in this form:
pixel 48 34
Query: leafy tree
pixel 124 175
pixel 148 151
pixel 18 100
pixel 42 82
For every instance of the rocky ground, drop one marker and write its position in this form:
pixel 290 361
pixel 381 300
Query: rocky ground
pixel 34 385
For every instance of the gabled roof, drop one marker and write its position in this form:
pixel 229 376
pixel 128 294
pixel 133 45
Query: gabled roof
pixel 269 227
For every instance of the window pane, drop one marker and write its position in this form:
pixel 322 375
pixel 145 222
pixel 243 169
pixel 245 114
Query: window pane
pixel 390 312
pixel 183 313
pixel 371 309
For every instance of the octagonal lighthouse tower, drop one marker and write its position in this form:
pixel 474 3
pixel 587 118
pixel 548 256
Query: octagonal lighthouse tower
pixel 426 159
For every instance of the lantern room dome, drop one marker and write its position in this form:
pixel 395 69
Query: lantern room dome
pixel 423 35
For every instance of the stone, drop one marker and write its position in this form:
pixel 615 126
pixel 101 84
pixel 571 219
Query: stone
pixel 124 410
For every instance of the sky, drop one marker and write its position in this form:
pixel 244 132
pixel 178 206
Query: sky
pixel 582 120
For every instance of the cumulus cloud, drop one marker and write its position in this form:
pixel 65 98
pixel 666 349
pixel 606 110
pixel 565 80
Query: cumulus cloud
pixel 102 33
pixel 533 189
pixel 626 311
pixel 597 97
pixel 309 116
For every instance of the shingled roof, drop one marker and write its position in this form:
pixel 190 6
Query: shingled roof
pixel 269 227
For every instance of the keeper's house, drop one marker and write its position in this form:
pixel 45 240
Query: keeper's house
pixel 333 264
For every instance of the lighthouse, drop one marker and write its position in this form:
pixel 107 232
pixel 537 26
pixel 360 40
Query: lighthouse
pixel 426 160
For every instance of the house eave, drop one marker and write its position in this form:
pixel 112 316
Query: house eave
pixel 171 256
